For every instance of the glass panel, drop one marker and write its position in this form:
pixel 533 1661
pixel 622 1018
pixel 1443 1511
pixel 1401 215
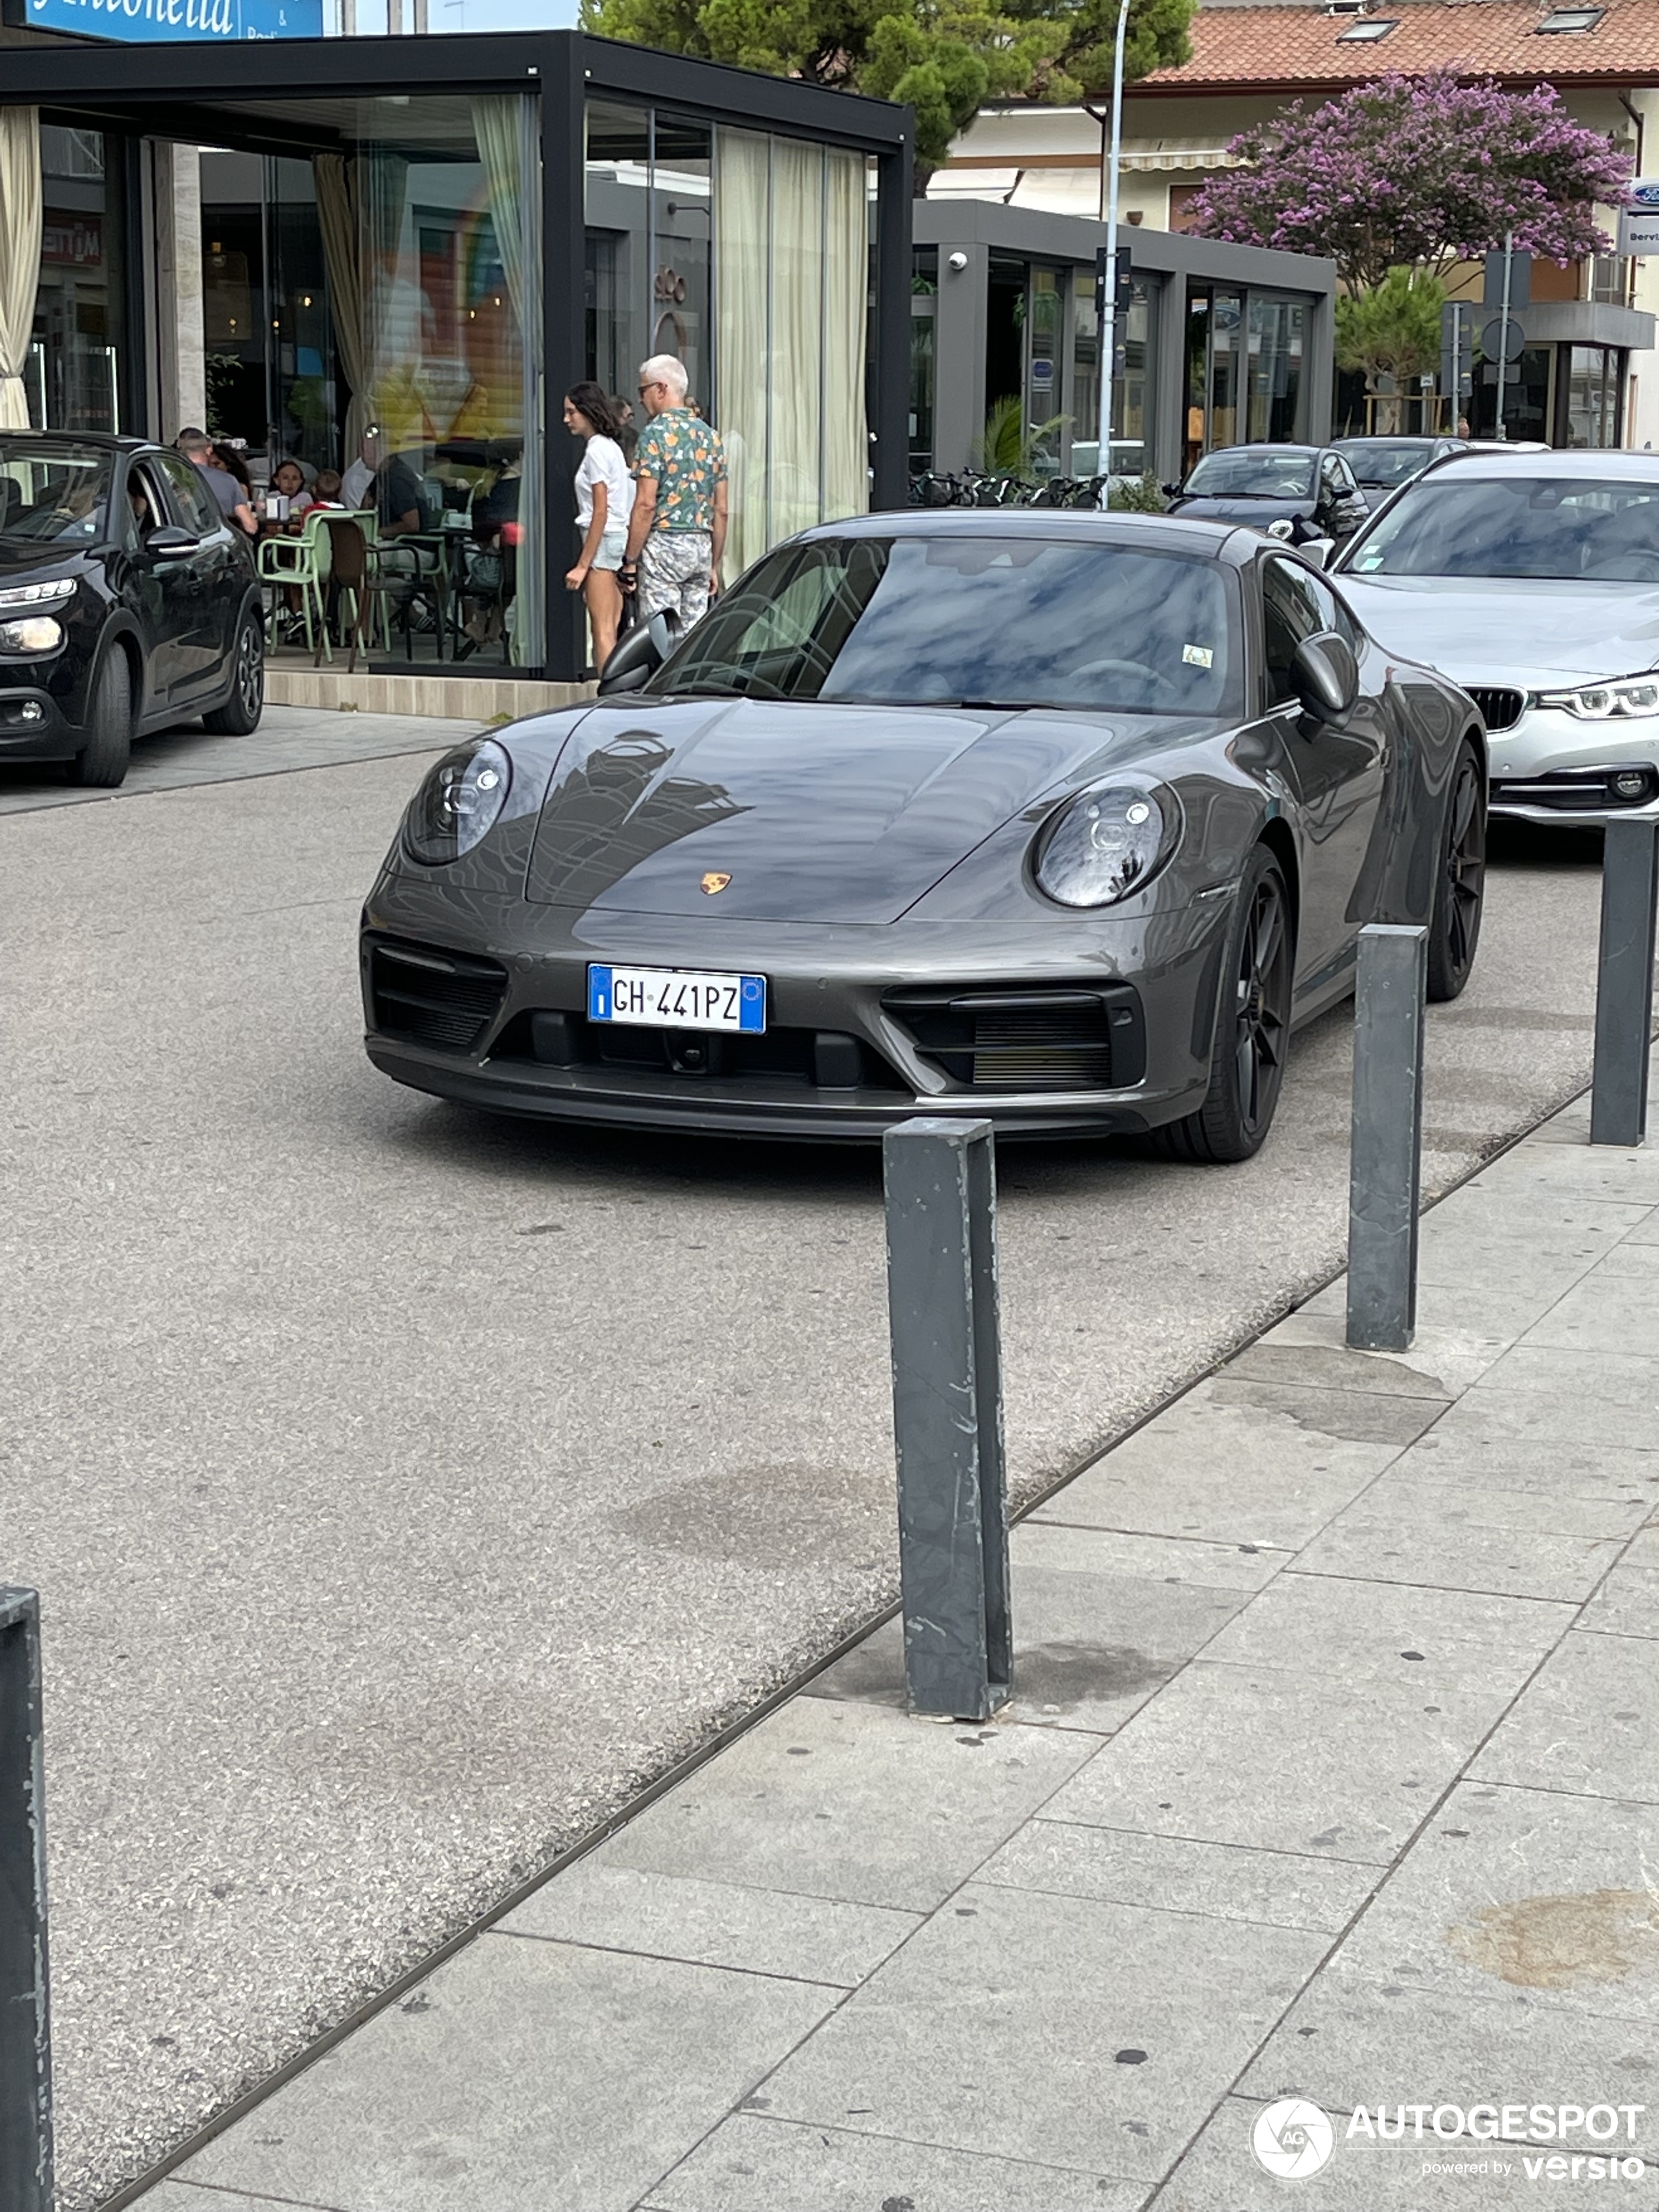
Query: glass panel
pixel 1133 386
pixel 1276 333
pixel 619 265
pixel 1226 331
pixel 79 337
pixel 394 280
pixel 924 289
pixel 1198 371
pixel 1086 375
pixel 681 246
pixel 1042 374
pixel 1592 396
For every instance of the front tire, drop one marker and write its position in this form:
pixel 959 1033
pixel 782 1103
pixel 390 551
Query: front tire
pixel 240 715
pixel 1460 881
pixel 102 762
pixel 1253 1026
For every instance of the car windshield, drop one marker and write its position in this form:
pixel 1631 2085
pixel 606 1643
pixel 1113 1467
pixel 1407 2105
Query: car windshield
pixel 1517 525
pixel 1239 475
pixel 53 494
pixel 970 621
pixel 1386 463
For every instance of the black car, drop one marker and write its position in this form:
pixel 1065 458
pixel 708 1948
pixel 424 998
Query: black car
pixel 1382 465
pixel 1064 819
pixel 1296 492
pixel 127 603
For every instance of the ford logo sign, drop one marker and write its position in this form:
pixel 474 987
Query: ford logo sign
pixel 1645 193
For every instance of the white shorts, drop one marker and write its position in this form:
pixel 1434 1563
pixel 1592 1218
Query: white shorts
pixel 608 553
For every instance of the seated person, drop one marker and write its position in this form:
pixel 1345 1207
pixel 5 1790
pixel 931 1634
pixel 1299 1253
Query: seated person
pixel 324 492
pixel 288 483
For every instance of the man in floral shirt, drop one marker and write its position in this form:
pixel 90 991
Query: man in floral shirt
pixel 676 532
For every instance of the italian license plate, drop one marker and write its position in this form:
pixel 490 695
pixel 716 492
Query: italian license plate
pixel 677 999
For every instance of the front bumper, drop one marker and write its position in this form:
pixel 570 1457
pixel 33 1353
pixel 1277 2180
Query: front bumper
pixel 31 724
pixel 866 1026
pixel 1547 766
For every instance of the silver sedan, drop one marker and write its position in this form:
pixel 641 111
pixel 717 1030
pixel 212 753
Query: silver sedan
pixel 1532 580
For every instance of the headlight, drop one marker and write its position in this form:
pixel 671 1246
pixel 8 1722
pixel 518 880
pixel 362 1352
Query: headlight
pixel 458 804
pixel 36 595
pixel 1626 697
pixel 1105 845
pixel 39 633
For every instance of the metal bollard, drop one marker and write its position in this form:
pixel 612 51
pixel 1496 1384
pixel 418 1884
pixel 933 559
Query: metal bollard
pixel 940 1182
pixel 1385 1170
pixel 1623 983
pixel 26 2175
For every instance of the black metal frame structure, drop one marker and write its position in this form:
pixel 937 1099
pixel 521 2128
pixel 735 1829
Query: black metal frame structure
pixel 187 92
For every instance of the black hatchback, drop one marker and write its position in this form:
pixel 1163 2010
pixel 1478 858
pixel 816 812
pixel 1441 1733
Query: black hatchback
pixel 1299 492
pixel 127 603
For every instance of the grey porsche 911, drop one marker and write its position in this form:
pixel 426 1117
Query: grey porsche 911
pixel 1065 820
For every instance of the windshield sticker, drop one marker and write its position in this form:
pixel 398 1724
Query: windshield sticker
pixel 1198 656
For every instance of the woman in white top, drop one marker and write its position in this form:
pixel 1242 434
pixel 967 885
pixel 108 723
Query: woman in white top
pixel 605 500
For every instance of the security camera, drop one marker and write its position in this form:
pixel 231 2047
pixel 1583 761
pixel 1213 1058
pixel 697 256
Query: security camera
pixel 956 263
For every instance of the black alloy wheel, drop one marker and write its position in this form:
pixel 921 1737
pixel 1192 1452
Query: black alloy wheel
pixel 240 713
pixel 1253 1026
pixel 1460 881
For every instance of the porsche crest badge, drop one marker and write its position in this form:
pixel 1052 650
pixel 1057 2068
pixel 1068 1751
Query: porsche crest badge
pixel 713 882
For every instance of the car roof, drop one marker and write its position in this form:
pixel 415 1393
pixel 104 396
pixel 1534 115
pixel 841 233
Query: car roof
pixel 1153 533
pixel 107 439
pixel 1260 446
pixel 1596 461
pixel 1392 438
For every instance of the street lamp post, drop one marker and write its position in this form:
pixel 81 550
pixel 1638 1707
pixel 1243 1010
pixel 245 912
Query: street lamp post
pixel 1109 313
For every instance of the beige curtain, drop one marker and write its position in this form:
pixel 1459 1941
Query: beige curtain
pixel 20 255
pixel 742 228
pixel 795 357
pixel 339 221
pixel 846 294
pixel 500 126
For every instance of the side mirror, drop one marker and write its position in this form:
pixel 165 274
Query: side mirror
pixel 639 656
pixel 1326 676
pixel 1283 529
pixel 1170 491
pixel 170 543
pixel 1317 550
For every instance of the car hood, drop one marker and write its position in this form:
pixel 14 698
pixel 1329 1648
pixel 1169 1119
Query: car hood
pixel 816 813
pixel 1513 630
pixel 1256 512
pixel 25 562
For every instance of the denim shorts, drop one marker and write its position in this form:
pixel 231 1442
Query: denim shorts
pixel 608 553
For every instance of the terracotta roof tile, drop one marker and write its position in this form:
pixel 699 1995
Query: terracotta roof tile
pixel 1276 48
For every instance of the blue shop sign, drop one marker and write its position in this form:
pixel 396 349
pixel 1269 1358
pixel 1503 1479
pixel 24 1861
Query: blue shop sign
pixel 157 22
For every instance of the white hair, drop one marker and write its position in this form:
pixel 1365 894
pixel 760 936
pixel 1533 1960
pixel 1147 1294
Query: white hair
pixel 667 368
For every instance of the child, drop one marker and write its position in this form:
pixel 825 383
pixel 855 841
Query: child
pixel 324 492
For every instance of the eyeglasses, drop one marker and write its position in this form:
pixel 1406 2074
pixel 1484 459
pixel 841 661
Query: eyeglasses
pixel 644 388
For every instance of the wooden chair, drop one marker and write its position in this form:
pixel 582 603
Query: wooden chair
pixel 357 578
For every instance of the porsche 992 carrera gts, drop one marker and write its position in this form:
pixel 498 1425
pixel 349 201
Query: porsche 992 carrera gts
pixel 1068 820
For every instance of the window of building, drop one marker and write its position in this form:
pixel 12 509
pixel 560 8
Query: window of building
pixel 924 292
pixel 1368 31
pixel 1592 395
pixel 73 377
pixel 1278 331
pixel 1572 19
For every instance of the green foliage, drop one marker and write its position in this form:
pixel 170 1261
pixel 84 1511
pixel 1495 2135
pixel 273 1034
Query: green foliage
pixel 1130 497
pixel 944 58
pixel 1393 329
pixel 1008 445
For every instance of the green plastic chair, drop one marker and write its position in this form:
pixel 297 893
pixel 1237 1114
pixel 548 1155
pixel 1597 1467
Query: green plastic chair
pixel 301 564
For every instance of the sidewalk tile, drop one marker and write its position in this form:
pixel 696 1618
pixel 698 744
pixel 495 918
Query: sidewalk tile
pixel 1226 1473
pixel 1319 1358
pixel 1122 1555
pixel 1523 1895
pixel 1574 1172
pixel 1614 1309
pixel 1441 1362
pixel 1284 1889
pixel 1220 2170
pixel 1354 2040
pixel 1049 2028
pixel 184 2196
pixel 512 2080
pixel 1632 1258
pixel 1628 1604
pixel 1610 1380
pixel 712 1924
pixel 1390 1537
pixel 1089 1649
pixel 1589 1724
pixel 1565 1417
pixel 1645 1231
pixel 1279 1761
pixel 1460 1312
pixel 1616 1486
pixel 1354 1416
pixel 851 1800
pixel 1581 1226
pixel 757 2164
pixel 1416 1639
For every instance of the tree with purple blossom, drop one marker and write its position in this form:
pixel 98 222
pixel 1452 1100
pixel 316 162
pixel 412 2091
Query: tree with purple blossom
pixel 1424 172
